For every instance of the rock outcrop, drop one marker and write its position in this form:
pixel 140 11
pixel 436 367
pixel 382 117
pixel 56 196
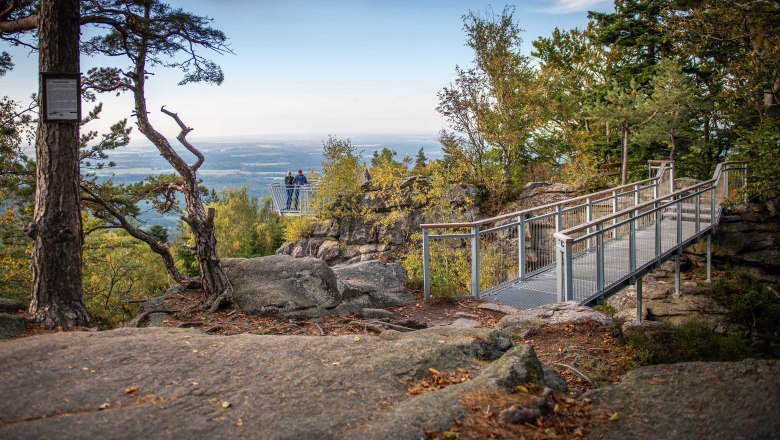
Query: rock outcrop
pixel 372 284
pixel 308 287
pixel 712 400
pixel 380 234
pixel 522 322
pixel 181 383
pixel 749 236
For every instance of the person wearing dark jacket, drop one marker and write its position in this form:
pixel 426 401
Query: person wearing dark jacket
pixel 289 185
pixel 300 180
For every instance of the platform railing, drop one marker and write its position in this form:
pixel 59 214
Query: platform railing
pixel 302 199
pixel 595 257
pixel 481 257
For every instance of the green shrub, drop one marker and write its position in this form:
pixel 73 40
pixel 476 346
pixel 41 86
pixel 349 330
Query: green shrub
pixel 689 342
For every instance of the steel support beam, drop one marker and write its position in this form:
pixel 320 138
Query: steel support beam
pixel 709 257
pixel 639 300
pixel 677 274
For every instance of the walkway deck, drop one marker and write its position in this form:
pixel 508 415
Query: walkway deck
pixel 582 249
pixel 542 289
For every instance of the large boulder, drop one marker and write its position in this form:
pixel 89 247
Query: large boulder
pixel 280 284
pixel 522 322
pixel 373 284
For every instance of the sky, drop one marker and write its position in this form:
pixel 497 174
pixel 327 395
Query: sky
pixel 309 68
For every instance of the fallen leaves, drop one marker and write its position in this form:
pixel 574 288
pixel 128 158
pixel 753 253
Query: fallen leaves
pixel 131 390
pixel 439 380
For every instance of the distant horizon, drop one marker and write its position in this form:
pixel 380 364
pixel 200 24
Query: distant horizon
pixel 304 68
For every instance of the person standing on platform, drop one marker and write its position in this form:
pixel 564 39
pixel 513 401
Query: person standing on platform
pixel 289 185
pixel 300 180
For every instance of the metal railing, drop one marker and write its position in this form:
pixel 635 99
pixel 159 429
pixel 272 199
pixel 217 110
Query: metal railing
pixel 600 256
pixel 298 200
pixel 484 256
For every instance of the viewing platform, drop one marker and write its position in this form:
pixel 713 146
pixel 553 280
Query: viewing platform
pixel 293 201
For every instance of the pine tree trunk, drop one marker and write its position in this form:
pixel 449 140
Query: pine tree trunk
pixel 56 228
pixel 624 165
pixel 216 285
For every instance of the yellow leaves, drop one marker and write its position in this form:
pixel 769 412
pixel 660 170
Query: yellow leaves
pixel 434 371
pixel 131 390
pixel 521 389
pixel 104 405
pixel 614 417
pixel 226 405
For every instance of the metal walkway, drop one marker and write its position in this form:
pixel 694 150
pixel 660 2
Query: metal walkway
pixel 582 249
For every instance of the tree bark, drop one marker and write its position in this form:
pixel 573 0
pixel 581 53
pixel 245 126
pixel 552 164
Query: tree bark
pixel 56 230
pixel 216 285
pixel 624 164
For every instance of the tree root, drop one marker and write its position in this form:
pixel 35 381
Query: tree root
pixel 518 415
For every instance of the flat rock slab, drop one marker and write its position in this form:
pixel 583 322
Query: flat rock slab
pixel 521 322
pixel 180 383
pixel 706 400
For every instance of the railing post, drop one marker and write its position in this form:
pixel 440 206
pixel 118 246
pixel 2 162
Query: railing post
pixel 713 190
pixel 726 173
pixel 632 242
pixel 615 208
pixel 698 214
pixel 637 198
pixel 475 286
pixel 563 257
pixel 744 183
pixel 569 281
pixel 559 219
pixel 658 236
pixel 679 221
pixel 426 265
pixel 521 250
pixel 589 216
pixel 599 259
pixel 671 177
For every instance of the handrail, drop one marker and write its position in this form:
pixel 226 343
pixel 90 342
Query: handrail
pixel 520 243
pixel 564 235
pixel 538 208
pixel 578 278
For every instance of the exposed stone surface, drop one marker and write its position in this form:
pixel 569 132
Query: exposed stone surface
pixel 369 313
pixel 281 284
pixel 713 400
pixel 12 326
pixel 501 308
pixel 465 323
pixel 660 304
pixel 465 315
pixel 749 235
pixel 180 383
pixel 382 233
pixel 374 283
pixel 8 305
pixel 520 323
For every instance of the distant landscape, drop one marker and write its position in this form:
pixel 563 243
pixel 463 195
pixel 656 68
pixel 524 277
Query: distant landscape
pixel 251 162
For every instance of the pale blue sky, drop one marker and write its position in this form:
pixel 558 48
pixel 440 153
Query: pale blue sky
pixel 307 68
